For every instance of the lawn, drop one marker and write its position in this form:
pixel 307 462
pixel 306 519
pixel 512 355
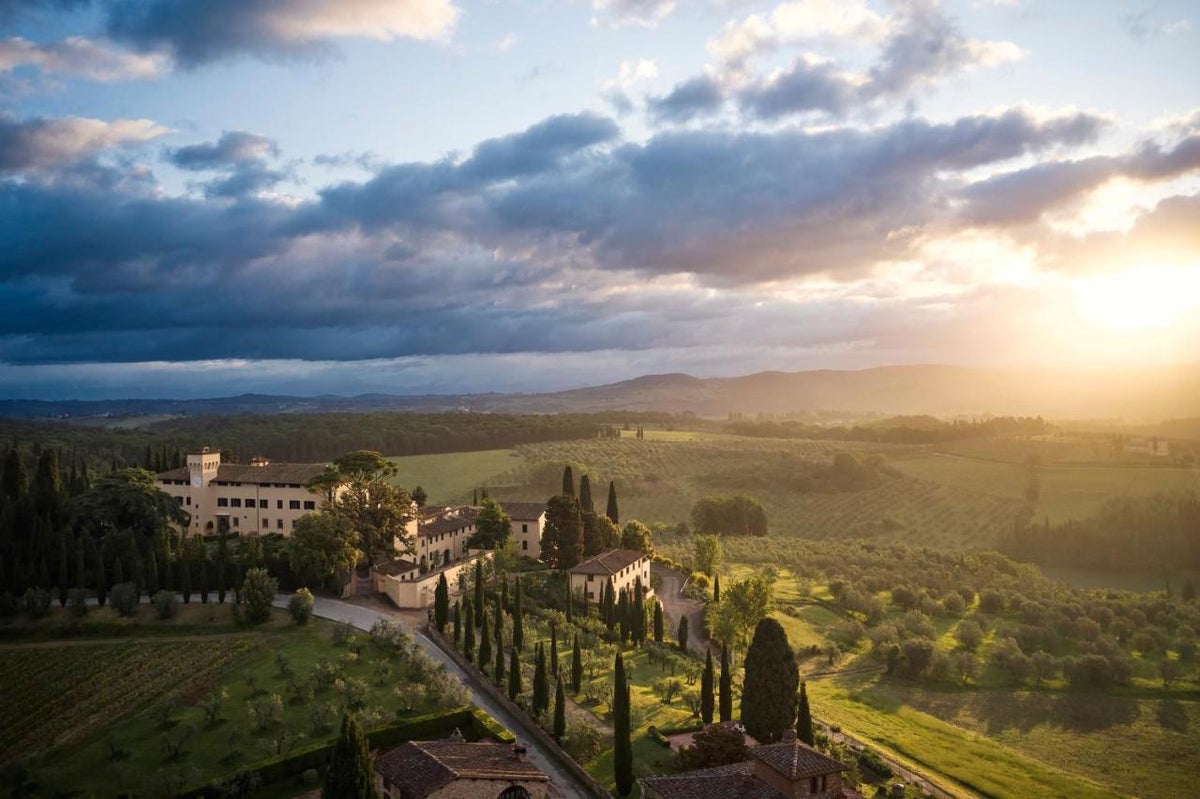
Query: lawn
pixel 450 478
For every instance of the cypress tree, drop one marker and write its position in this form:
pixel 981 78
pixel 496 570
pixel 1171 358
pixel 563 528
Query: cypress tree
pixel 658 622
pixel 622 743
pixel 576 666
pixel 457 624
pixel 504 600
pixel 514 673
pixel 101 580
pixel 725 708
pixel 222 558
pixel 716 588
pixel 118 571
pixel 350 775
pixel 485 647
pixel 560 710
pixel 518 615
pixel 80 567
pixel 804 724
pixel 63 581
pixel 541 684
pixel 43 578
pixel 152 584
pixel 706 690
pixel 553 650
pixel 202 564
pixel 639 614
pixel 570 602
pixel 568 483
pixel 682 634
pixel 479 605
pixel 624 616
pixel 498 623
pixel 585 494
pixel 498 672
pixel 772 680
pixel 185 577
pixel 441 604
pixel 16 479
pixel 468 647
pixel 611 512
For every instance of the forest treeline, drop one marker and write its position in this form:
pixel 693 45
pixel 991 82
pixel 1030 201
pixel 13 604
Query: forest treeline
pixel 1159 533
pixel 898 430
pixel 305 438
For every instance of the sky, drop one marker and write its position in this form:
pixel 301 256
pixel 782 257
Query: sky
pixel 211 197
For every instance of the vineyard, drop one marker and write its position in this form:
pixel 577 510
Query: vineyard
pixel 51 696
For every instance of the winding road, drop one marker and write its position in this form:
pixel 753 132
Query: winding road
pixel 562 784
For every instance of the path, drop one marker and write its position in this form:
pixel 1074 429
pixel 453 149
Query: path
pixel 675 605
pixel 363 616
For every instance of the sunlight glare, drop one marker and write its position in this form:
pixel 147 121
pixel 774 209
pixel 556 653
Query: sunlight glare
pixel 1150 296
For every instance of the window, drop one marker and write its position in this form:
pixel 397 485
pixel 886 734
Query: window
pixel 524 528
pixel 235 502
pixel 179 500
pixel 524 545
pixel 294 504
pixel 222 502
pixel 262 503
pixel 235 521
pixel 279 525
pixel 188 502
pixel 250 503
pixel 279 504
pixel 310 504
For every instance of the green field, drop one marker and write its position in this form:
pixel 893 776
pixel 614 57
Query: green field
pixel 451 477
pixel 1067 492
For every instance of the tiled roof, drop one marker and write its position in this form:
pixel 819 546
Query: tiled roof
pixel 523 511
pixel 736 781
pixel 447 521
pixel 796 760
pixel 290 473
pixel 422 767
pixel 396 567
pixel 609 562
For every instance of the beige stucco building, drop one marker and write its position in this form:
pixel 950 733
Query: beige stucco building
pixel 623 566
pixel 526 522
pixel 454 769
pixel 254 499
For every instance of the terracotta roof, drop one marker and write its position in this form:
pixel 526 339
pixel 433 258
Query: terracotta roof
pixel 396 567
pixel 523 511
pixel 291 473
pixel 447 521
pixel 796 760
pixel 609 562
pixel 736 781
pixel 422 767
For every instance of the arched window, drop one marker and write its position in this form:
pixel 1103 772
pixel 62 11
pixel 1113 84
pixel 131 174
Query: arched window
pixel 514 792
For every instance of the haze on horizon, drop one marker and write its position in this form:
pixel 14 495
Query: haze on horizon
pixel 206 198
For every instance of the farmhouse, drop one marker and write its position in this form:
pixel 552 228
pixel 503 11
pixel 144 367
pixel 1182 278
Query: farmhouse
pixel 258 498
pixel 528 518
pixel 622 566
pixel 454 769
pixel 790 769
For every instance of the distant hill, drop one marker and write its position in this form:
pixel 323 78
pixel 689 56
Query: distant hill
pixel 1148 394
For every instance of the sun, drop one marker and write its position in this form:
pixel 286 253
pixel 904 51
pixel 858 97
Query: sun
pixel 1144 297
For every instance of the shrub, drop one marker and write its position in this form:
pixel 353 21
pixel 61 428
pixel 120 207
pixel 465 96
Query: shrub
pixel 300 606
pixel 165 604
pixel 36 603
pixel 77 602
pixel 124 598
pixel 258 592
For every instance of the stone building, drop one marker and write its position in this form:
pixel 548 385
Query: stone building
pixel 454 769
pixel 622 566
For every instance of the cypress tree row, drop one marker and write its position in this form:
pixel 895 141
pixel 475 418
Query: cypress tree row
pixel 726 687
pixel 611 512
pixel 514 673
pixel 658 622
pixel 804 724
pixel 622 743
pixel 350 775
pixel 576 666
pixel 441 604
pixel 541 684
pixel 706 690
pixel 560 709
pixel 681 634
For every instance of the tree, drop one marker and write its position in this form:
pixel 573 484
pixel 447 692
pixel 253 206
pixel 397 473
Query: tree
pixel 770 684
pixel 706 690
pixel 576 666
pixel 568 482
pixel 560 706
pixel 492 527
pixel 682 634
pixel 599 534
pixel 637 536
pixel 716 588
pixel 518 614
pixel 658 622
pixel 707 553
pixel 585 494
pixel 712 747
pixel 457 624
pixel 480 606
pixel 725 688
pixel 222 562
pixel 498 669
pixel 562 537
pixel 419 496
pixel 468 644
pixel 441 604
pixel 540 702
pixel 804 723
pixel 736 515
pixel 553 651
pixel 128 499
pixel 485 646
pixel 1188 592
pixel 358 488
pixel 622 742
pixel 612 512
pixel 514 673
pixel 742 606
pixel 300 606
pixel 323 547
pixel 350 775
pixel 258 592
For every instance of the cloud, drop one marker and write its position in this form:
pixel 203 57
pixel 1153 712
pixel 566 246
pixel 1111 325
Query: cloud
pixel 41 143
pixel 198 31
pixel 644 13
pixel 695 97
pixel 1140 27
pixel 80 57
pixel 234 147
